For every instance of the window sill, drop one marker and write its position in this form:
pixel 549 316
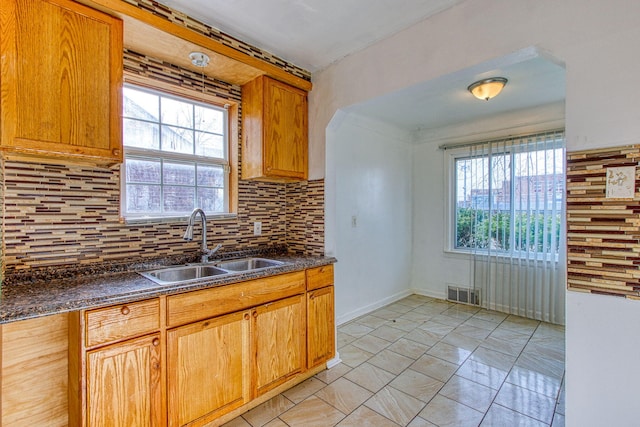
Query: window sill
pixel 173 219
pixel 505 258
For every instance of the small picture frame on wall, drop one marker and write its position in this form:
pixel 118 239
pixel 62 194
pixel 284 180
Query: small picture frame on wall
pixel 621 182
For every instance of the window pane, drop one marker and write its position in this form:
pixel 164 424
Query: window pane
pixel 167 142
pixel 177 113
pixel 177 140
pixel 209 119
pixel 211 199
pixel 210 176
pixel 143 198
pixel 209 145
pixel 510 201
pixel 143 171
pixel 141 134
pixel 179 173
pixel 538 191
pixel 178 199
pixel 141 105
pixel 483 202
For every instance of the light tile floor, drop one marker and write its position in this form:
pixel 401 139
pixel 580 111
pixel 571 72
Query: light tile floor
pixel 426 362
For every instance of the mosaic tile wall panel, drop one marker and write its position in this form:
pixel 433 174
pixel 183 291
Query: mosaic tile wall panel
pixel 60 214
pixel 603 234
pixel 305 217
pixel 181 19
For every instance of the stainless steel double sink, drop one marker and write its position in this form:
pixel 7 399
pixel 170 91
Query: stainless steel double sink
pixel 194 272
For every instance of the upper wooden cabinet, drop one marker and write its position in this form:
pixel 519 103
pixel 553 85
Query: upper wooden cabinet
pixel 61 80
pixel 274 131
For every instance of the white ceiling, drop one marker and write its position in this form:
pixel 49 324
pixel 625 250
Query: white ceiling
pixel 310 33
pixel 315 33
pixel 533 81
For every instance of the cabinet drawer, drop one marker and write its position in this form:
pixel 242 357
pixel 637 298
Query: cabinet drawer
pixel 319 277
pixel 199 305
pixel 121 321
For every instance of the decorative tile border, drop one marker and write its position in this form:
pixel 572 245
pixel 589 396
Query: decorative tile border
pixel 58 215
pixel 603 234
pixel 186 21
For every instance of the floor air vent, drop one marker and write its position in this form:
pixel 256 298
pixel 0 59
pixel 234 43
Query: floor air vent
pixel 464 295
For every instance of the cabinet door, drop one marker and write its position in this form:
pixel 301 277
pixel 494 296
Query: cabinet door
pixel 208 368
pixel 123 384
pixel 320 326
pixel 279 342
pixel 61 80
pixel 285 131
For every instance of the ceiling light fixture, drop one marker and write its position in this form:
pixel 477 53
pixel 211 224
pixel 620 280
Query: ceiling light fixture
pixel 487 88
pixel 199 59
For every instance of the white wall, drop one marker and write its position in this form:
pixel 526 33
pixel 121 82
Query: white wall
pixel 371 181
pixel 432 268
pixel 598 42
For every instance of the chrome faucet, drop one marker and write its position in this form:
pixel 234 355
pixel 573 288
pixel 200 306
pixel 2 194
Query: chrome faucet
pixel 188 235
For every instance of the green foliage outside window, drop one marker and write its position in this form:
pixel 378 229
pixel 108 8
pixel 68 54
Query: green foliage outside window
pixel 533 231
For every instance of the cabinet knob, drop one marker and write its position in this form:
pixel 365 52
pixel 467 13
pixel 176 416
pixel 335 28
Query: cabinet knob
pixel 116 151
pixel 255 314
pixel 156 342
pixel 125 310
pixel 246 316
pixel 312 295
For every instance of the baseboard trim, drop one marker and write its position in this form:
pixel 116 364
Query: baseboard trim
pixel 372 307
pixel 429 293
pixel 335 361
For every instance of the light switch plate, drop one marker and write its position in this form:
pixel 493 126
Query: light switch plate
pixel 257 228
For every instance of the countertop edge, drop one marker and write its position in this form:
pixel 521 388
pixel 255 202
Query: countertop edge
pixel 25 301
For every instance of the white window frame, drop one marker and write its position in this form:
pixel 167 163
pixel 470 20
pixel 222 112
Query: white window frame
pixel 451 155
pixel 162 156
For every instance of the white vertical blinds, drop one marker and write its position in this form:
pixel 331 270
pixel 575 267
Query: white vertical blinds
pixel 509 214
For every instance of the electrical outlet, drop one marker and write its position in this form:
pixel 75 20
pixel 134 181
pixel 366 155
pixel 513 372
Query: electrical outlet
pixel 257 228
pixel 354 221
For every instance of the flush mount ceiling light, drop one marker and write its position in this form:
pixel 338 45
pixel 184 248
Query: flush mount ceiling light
pixel 487 88
pixel 199 59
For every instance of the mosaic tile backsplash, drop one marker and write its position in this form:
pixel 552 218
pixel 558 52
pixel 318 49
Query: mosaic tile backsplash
pixel 59 214
pixel 603 234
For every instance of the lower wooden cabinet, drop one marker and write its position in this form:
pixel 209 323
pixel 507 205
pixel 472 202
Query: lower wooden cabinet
pixel 124 384
pixel 278 337
pixel 320 326
pixel 217 365
pixel 116 370
pixel 208 368
pixel 160 362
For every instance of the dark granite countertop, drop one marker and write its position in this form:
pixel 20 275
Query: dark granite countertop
pixel 87 289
